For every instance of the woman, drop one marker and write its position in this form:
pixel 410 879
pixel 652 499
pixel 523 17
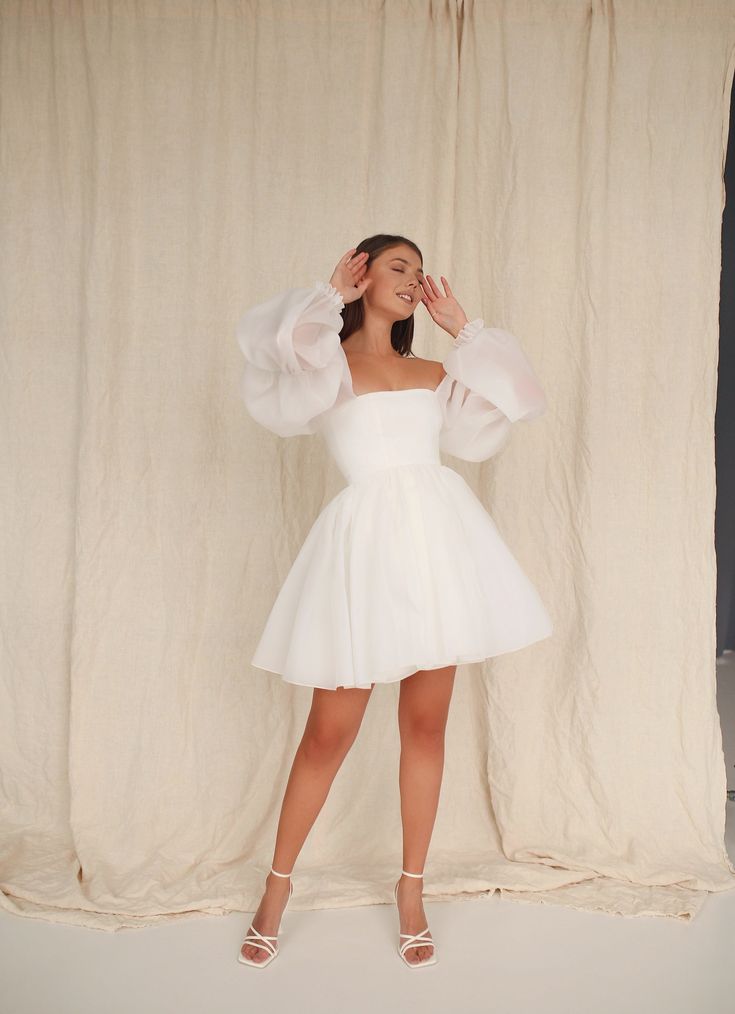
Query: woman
pixel 404 574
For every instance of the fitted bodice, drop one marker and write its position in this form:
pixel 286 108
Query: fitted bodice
pixel 383 429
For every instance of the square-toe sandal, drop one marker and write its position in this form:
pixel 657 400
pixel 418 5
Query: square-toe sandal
pixel 414 940
pixel 256 939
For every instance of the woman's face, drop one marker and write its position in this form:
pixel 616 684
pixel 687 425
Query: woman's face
pixel 394 272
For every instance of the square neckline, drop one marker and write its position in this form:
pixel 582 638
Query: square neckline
pixel 390 390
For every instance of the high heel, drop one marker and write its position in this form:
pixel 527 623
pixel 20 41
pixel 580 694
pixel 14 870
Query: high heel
pixel 414 940
pixel 256 939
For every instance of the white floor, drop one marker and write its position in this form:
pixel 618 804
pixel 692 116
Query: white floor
pixel 497 956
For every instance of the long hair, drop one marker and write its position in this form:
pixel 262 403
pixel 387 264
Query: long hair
pixel 353 314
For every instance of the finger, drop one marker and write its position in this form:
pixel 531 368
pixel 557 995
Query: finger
pixel 425 288
pixel 446 286
pixel 434 287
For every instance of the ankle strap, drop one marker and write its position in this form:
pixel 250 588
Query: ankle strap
pixel 419 875
pixel 280 874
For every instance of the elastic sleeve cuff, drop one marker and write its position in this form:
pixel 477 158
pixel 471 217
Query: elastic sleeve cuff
pixel 468 332
pixel 328 290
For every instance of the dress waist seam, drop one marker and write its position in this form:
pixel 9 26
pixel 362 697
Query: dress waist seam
pixel 382 469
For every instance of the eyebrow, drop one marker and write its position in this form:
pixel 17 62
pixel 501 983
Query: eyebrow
pixel 420 270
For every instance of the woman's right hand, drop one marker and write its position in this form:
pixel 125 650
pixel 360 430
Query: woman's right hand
pixel 348 276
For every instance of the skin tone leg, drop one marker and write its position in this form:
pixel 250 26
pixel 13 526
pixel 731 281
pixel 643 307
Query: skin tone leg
pixel 331 728
pixel 422 717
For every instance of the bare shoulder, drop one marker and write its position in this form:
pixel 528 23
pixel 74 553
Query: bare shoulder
pixel 432 369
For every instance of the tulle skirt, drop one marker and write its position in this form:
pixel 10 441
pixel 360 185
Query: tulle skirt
pixel 402 570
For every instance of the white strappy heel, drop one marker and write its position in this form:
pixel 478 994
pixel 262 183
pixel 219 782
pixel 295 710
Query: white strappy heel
pixel 256 939
pixel 414 940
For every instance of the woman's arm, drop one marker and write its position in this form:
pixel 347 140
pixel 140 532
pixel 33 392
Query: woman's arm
pixel 294 364
pixel 490 384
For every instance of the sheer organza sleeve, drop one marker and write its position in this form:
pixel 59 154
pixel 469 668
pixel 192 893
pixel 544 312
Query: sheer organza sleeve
pixel 294 365
pixel 490 384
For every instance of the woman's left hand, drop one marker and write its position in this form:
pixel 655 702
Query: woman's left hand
pixel 444 309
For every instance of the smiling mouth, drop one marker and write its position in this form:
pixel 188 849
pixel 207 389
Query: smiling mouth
pixel 406 299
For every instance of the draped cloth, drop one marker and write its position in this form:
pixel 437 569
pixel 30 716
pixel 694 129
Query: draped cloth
pixel 167 166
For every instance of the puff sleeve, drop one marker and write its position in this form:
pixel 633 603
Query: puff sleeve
pixel 295 368
pixel 490 384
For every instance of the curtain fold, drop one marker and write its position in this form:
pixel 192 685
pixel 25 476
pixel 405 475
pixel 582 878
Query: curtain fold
pixel 167 165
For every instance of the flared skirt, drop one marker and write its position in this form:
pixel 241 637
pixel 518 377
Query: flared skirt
pixel 401 571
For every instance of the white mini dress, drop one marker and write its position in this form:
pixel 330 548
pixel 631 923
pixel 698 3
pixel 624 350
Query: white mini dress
pixel 404 569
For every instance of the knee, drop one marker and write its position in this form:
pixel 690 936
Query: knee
pixel 425 733
pixel 322 743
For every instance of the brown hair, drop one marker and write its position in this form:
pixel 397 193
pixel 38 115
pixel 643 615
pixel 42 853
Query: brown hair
pixel 353 314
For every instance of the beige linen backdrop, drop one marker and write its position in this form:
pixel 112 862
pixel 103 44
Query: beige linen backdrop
pixel 165 165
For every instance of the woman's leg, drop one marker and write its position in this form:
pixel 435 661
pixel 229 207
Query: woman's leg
pixel 423 710
pixel 331 728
